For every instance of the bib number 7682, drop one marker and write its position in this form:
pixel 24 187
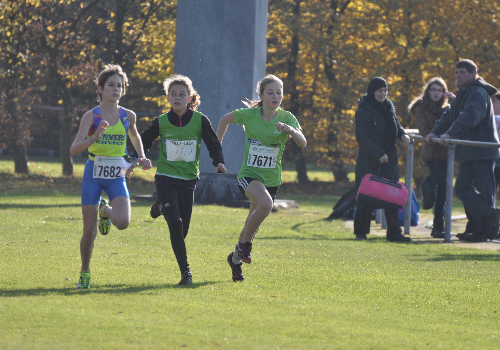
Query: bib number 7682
pixel 108 171
pixel 109 167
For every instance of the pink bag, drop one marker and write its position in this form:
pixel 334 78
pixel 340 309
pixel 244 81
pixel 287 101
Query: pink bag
pixel 382 193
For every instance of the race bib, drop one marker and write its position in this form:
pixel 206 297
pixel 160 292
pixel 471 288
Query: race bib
pixel 181 151
pixel 262 156
pixel 109 167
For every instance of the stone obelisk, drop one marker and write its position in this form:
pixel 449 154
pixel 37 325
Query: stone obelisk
pixel 221 46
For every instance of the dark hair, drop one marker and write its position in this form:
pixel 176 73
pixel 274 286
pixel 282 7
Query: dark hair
pixel 467 64
pixel 108 71
pixel 185 81
pixel 425 98
pixel 261 86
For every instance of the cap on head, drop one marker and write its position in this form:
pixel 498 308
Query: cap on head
pixel 375 84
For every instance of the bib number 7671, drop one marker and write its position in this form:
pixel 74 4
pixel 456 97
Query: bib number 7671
pixel 262 156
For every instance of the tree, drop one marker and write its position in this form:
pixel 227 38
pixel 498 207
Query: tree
pixel 17 91
pixel 344 43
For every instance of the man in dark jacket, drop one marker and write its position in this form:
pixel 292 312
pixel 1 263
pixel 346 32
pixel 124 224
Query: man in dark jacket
pixel 471 118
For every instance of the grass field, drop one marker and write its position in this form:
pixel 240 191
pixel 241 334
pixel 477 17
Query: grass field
pixel 310 285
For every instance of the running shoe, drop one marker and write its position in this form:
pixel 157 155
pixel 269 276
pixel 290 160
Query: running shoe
pixel 84 282
pixel 104 222
pixel 186 278
pixel 237 274
pixel 244 250
pixel 155 209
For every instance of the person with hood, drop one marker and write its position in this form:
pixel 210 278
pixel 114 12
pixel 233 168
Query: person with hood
pixel 427 108
pixel 471 118
pixel 377 129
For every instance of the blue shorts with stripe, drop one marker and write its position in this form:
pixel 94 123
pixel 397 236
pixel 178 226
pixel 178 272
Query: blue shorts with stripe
pixel 92 188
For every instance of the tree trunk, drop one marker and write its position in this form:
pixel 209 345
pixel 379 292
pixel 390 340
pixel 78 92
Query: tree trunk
pixel 20 159
pixel 339 172
pixel 65 144
pixel 297 156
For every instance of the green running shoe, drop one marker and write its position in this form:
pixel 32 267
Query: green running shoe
pixel 84 282
pixel 104 222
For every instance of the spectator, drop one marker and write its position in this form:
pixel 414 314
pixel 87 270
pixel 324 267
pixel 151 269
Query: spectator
pixel 495 100
pixel 471 118
pixel 427 108
pixel 377 129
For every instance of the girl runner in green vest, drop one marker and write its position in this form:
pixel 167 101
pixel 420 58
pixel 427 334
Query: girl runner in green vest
pixel 267 127
pixel 181 131
pixel 103 131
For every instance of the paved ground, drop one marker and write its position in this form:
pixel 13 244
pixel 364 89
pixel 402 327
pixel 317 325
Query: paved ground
pixel 422 234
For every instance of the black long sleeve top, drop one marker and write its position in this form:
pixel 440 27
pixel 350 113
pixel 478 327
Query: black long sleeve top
pixel 152 132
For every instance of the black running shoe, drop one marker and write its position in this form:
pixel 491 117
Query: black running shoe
pixel 237 274
pixel 155 209
pixel 244 250
pixel 186 279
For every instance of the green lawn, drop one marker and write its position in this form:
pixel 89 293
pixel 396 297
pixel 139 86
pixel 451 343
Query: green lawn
pixel 310 285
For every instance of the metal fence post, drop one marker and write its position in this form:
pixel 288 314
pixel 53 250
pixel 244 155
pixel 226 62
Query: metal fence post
pixel 449 191
pixel 408 180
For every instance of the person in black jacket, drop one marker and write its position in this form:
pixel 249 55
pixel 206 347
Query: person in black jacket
pixel 377 129
pixel 471 118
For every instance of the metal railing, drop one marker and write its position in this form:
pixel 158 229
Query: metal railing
pixel 449 177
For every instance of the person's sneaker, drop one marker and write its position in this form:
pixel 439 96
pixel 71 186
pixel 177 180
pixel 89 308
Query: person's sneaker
pixel 461 236
pixel 361 236
pixel 104 222
pixel 186 279
pixel 398 237
pixel 244 250
pixel 476 236
pixel 237 274
pixel 84 282
pixel 438 228
pixel 494 224
pixel 155 209
pixel 437 234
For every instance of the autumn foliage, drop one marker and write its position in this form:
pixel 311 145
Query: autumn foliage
pixel 325 50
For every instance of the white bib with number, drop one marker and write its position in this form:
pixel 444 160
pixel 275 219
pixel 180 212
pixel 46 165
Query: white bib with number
pixel 109 167
pixel 262 156
pixel 181 151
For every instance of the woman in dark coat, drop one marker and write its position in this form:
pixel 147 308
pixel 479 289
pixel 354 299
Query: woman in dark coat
pixel 427 108
pixel 377 129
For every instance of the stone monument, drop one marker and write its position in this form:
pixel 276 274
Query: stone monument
pixel 221 47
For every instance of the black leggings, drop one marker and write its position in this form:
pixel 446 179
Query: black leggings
pixel 177 203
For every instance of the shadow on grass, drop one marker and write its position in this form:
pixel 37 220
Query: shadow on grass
pixel 110 289
pixel 37 206
pixel 485 256
pixel 55 205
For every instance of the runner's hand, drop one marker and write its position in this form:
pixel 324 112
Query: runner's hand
pixel 284 127
pixel 220 168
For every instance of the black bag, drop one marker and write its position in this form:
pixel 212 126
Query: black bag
pixel 345 207
pixel 428 191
